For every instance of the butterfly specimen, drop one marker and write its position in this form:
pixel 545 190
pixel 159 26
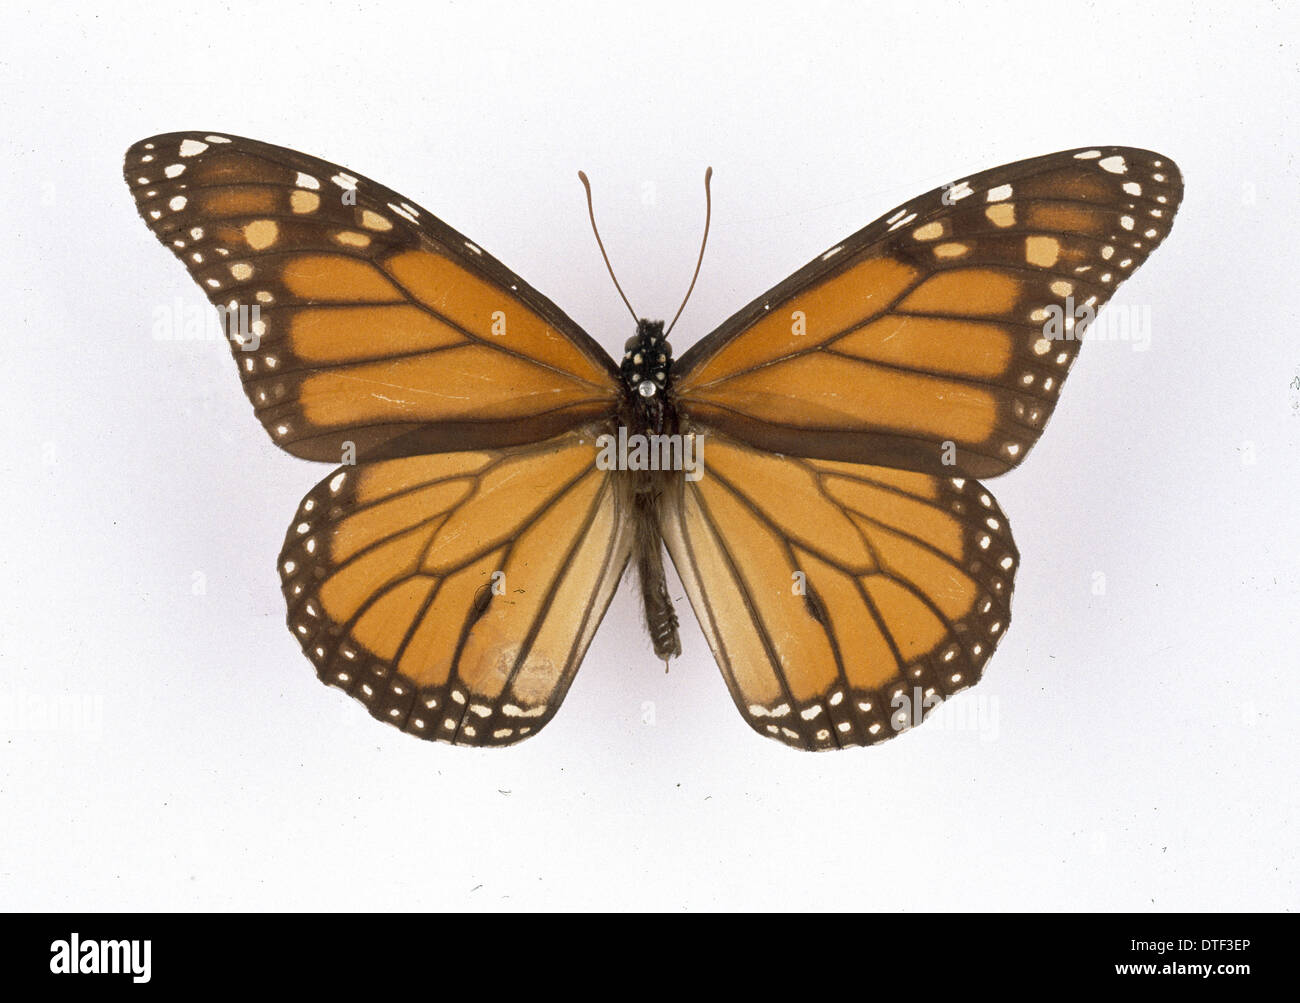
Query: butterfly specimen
pixel 810 466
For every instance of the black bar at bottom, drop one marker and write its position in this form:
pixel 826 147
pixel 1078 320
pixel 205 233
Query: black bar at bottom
pixel 864 954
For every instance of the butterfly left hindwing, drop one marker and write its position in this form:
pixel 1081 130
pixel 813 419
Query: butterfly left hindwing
pixel 455 594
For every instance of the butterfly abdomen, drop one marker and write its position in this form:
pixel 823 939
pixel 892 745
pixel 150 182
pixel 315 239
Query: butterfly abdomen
pixel 660 617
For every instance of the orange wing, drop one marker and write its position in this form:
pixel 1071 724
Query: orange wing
pixel 937 338
pixel 842 601
pixel 455 594
pixel 356 316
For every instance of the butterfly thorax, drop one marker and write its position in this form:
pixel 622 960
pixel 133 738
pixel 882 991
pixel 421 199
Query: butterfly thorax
pixel 646 372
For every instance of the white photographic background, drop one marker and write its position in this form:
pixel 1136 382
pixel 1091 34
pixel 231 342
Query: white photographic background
pixel 165 745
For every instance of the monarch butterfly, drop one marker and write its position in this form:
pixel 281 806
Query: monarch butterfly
pixel 834 542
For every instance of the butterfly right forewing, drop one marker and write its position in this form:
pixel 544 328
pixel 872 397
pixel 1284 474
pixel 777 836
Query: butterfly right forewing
pixel 927 341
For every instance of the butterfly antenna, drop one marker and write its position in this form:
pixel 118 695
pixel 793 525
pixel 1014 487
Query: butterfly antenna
pixel 601 244
pixel 708 214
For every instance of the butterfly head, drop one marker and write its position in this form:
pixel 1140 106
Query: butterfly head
pixel 646 370
pixel 647 359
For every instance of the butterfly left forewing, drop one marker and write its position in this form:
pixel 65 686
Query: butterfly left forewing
pixel 363 327
pixel 937 338
pixel 455 594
